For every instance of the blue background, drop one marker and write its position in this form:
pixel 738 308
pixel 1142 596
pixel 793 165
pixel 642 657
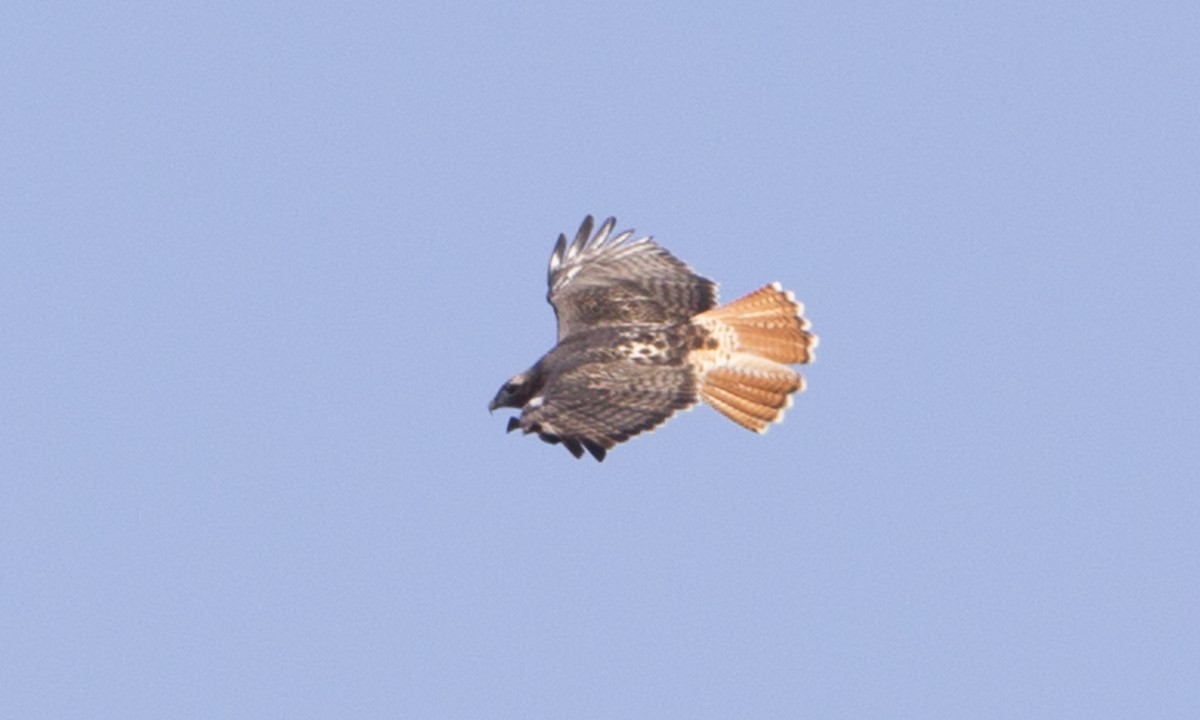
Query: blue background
pixel 262 266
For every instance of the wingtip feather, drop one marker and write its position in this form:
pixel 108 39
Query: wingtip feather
pixel 556 256
pixel 603 233
pixel 581 237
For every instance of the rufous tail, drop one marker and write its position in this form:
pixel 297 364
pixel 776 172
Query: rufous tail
pixel 743 361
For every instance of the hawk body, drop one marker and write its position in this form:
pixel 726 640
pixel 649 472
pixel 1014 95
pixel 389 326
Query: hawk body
pixel 640 338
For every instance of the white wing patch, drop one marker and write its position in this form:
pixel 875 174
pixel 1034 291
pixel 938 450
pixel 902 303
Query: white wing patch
pixel 639 351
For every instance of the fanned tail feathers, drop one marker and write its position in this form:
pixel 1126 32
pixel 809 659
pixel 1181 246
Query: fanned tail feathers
pixel 744 361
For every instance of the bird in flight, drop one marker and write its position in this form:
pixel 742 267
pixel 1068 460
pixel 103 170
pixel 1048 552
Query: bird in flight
pixel 640 338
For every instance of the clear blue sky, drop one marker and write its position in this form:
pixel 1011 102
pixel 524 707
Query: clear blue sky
pixel 262 266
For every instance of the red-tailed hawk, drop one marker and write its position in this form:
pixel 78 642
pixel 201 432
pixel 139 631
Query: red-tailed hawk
pixel 640 338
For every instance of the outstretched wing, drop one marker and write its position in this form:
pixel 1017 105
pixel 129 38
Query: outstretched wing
pixel 597 405
pixel 617 280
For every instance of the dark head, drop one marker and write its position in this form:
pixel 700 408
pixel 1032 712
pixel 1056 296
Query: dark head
pixel 518 391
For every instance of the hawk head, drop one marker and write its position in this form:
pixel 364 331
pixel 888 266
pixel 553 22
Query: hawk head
pixel 518 391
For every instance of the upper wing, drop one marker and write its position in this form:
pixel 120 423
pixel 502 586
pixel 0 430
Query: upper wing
pixel 615 280
pixel 597 405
